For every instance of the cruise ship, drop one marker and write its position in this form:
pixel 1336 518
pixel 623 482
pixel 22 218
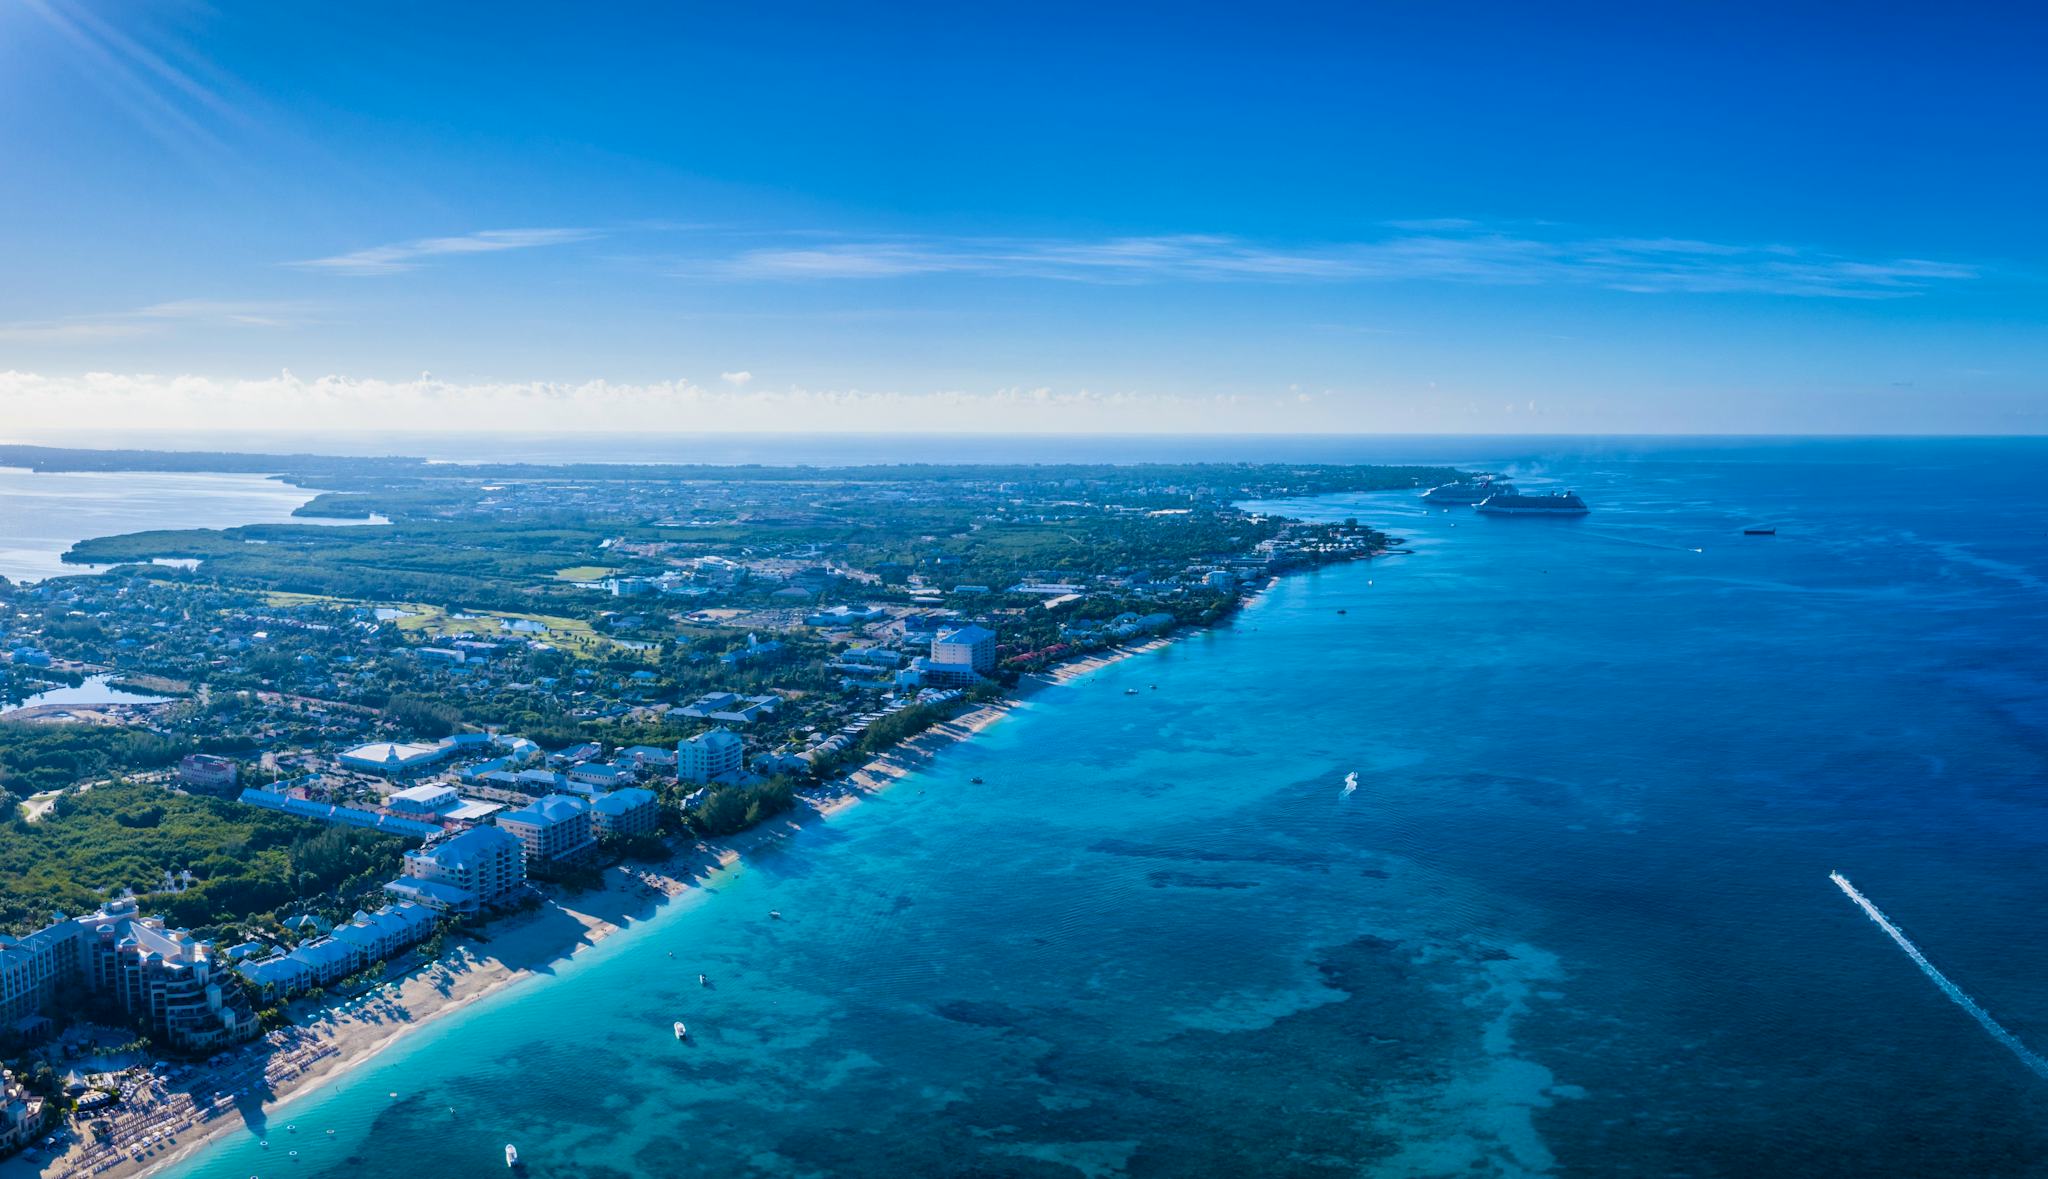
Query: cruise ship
pixel 1466 491
pixel 1515 503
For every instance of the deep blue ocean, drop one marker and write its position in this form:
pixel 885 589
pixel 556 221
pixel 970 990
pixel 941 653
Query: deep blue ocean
pixel 1575 918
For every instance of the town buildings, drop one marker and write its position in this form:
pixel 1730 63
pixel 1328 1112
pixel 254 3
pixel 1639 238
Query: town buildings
pixel 203 771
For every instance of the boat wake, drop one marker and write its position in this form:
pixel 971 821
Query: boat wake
pixel 1350 783
pixel 2027 1055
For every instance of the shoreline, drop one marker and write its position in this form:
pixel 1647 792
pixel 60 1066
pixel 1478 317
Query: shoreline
pixel 327 1041
pixel 336 1038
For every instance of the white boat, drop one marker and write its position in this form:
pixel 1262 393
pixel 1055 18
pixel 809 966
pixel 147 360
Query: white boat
pixel 702 981
pixel 682 1033
pixel 511 1155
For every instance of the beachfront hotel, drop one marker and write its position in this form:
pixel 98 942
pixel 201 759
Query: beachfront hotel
pixel 711 755
pixel 31 967
pixel 362 941
pixel 555 830
pixel 169 981
pixel 480 868
pixel 628 814
pixel 972 647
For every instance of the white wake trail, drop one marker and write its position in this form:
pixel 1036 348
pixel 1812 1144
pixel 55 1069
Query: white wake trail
pixel 1350 783
pixel 2027 1055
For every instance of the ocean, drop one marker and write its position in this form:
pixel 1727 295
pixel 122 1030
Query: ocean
pixel 1575 918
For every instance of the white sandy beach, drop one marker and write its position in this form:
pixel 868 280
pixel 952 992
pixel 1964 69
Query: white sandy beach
pixel 328 1041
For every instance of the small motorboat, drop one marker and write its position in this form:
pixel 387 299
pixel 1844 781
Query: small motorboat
pixel 1130 691
pixel 682 1033
pixel 1759 532
pixel 775 914
pixel 511 1155
pixel 702 981
pixel 976 781
pixel 1342 610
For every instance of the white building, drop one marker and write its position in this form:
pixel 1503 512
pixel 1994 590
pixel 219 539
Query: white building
pixel 556 829
pixel 628 813
pixel 710 755
pixel 424 802
pixel 21 1112
pixel 394 758
pixel 972 647
pixel 485 866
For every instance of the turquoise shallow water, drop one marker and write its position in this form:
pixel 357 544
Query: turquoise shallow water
pixel 1574 919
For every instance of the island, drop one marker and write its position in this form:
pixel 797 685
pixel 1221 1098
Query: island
pixel 351 778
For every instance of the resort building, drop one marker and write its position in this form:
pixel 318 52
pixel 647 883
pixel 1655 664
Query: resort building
pixel 711 755
pixel 968 651
pixel 554 830
pixel 166 979
pixel 207 772
pixel 32 967
pixel 730 706
pixel 275 978
pixel 326 961
pixel 377 936
pixel 479 868
pixel 602 776
pixel 629 813
pixel 21 1112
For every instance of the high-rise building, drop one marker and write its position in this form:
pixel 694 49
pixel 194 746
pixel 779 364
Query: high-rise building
pixel 554 830
pixel 710 755
pixel 971 647
pixel 481 867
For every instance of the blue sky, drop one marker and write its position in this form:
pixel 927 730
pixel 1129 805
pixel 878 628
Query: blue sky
pixel 1360 218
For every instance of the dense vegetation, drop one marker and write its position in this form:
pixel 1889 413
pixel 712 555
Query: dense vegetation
pixel 248 862
pixel 38 757
pixel 727 809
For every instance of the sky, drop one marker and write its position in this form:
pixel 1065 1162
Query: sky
pixel 1178 218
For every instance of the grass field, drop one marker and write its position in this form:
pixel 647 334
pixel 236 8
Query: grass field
pixel 440 623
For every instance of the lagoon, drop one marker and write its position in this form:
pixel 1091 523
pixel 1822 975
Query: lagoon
pixel 42 514
pixel 94 690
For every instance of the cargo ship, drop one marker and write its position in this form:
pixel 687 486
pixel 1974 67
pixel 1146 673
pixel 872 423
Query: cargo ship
pixel 1515 503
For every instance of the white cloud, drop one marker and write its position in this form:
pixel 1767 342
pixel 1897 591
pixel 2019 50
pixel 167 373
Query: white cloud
pixel 153 320
pixel 737 380
pixel 403 256
pixel 34 402
pixel 1449 250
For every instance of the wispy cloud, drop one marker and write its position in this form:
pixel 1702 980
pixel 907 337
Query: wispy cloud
pixel 147 401
pixel 155 319
pixel 1449 251
pixel 403 256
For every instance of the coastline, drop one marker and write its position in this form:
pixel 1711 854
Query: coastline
pixel 330 1040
